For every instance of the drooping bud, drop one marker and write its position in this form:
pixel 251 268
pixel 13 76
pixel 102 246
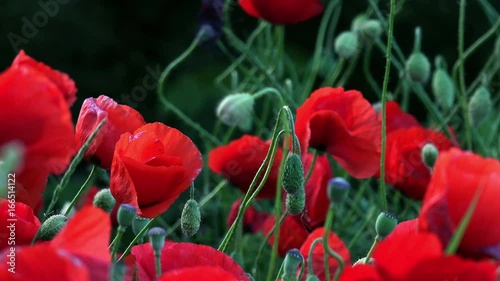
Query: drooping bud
pixel 442 85
pixel 295 203
pixel 190 218
pixel 51 227
pixel 126 215
pixel 157 238
pixel 138 224
pixel 429 155
pixel 292 261
pixel 293 176
pixel 418 68
pixel 385 224
pixel 338 188
pixel 346 44
pixel 237 110
pixel 479 106
pixel 104 200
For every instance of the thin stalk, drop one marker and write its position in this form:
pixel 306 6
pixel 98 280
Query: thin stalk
pixel 85 185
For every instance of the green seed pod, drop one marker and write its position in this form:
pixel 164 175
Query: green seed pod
pixel 237 110
pixel 157 238
pixel 293 176
pixel 418 67
pixel 479 106
pixel 292 261
pixel 51 227
pixel 338 188
pixel 429 155
pixel 138 224
pixel 126 215
pixel 346 44
pixel 295 203
pixel 104 200
pixel 190 218
pixel 385 224
pixel 442 87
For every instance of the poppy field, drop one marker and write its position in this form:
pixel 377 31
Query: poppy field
pixel 362 159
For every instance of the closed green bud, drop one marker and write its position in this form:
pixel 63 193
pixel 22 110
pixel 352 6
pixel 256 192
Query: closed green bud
pixel 138 224
pixel 372 29
pixel 126 215
pixel 442 87
pixel 293 177
pixel 346 44
pixel 312 277
pixel 104 200
pixel 358 22
pixel 190 218
pixel 418 67
pixel 338 188
pixel 479 106
pixel 237 110
pixel 51 227
pixel 295 203
pixel 292 261
pixel 429 155
pixel 157 238
pixel 385 224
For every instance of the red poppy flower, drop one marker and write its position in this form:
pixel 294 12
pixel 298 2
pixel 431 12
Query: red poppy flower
pixel 25 224
pixel 360 272
pixel 345 125
pixel 282 11
pixel 405 228
pixel 317 202
pixel 199 273
pixel 47 132
pixel 79 252
pixel 292 234
pixel 177 256
pixel 457 177
pixel 120 119
pixel 397 118
pixel 252 219
pixel 152 167
pixel 318 259
pixel 405 170
pixel 240 160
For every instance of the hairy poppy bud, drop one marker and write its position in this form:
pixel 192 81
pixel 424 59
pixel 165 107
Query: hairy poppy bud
pixel 429 155
pixel 126 215
pixel 372 29
pixel 236 110
pixel 385 224
pixel 104 200
pixel 51 227
pixel 292 261
pixel 479 106
pixel 293 177
pixel 190 218
pixel 442 87
pixel 418 67
pixel 157 238
pixel 295 203
pixel 338 188
pixel 312 277
pixel 346 44
pixel 358 22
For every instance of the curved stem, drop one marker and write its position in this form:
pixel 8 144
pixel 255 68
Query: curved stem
pixel 311 167
pixel 270 90
pixel 310 257
pixel 461 72
pixel 332 78
pixel 85 185
pixel 370 252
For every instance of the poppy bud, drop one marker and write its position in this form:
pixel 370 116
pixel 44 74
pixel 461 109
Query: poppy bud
pixel 190 218
pixel 429 155
pixel 236 110
pixel 358 22
pixel 157 238
pixel 312 277
pixel 442 87
pixel 138 224
pixel 338 188
pixel 292 261
pixel 418 67
pixel 479 106
pixel 295 203
pixel 51 227
pixel 385 224
pixel 126 215
pixel 293 176
pixel 346 44
pixel 104 200
pixel 372 29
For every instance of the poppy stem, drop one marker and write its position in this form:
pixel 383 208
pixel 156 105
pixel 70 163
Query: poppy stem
pixel 83 188
pixel 311 167
pixel 382 190
pixel 116 241
pixel 328 250
pixel 136 238
pixel 311 253
pixel 370 252
pixel 331 78
pixel 264 243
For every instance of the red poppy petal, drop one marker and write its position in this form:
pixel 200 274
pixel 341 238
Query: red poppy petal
pixel 22 217
pixel 360 273
pixel 283 11
pixel 292 234
pixel 199 273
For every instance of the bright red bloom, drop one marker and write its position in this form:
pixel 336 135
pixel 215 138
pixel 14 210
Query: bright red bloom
pixel 405 228
pixel 360 272
pixel 152 167
pixel 292 234
pixel 47 132
pixel 457 177
pixel 199 273
pixel 397 118
pixel 252 219
pixel 404 169
pixel 345 125
pixel 178 256
pixel 282 11
pixel 79 252
pixel 26 223
pixel 120 119
pixel 317 202
pixel 318 259
pixel 240 160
